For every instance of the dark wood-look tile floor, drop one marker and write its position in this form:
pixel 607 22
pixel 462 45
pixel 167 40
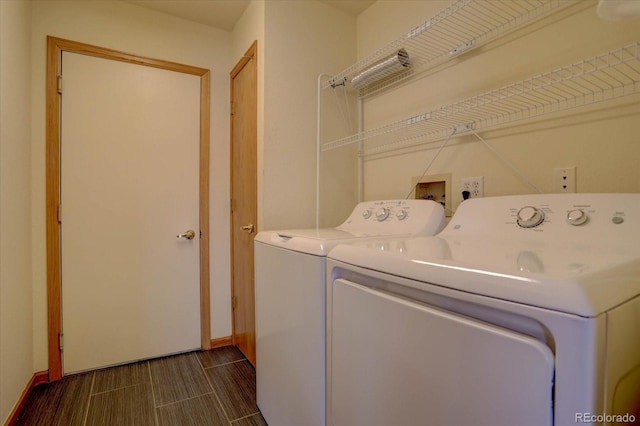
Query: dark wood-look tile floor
pixel 216 387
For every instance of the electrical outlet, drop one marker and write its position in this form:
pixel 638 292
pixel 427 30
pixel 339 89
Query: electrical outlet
pixel 475 186
pixel 565 179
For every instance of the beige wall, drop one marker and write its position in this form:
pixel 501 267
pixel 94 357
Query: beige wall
pixel 302 40
pixel 129 28
pixel 16 324
pixel 602 141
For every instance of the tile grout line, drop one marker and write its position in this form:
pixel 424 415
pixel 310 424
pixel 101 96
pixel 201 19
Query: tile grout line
pixel 116 389
pixel 153 394
pixel 206 376
pixel 86 413
pixel 225 363
pixel 183 400
pixel 245 417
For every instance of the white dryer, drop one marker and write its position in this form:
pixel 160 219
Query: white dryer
pixel 290 303
pixel 524 310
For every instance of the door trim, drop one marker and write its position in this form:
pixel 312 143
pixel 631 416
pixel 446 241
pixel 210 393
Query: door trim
pixel 55 47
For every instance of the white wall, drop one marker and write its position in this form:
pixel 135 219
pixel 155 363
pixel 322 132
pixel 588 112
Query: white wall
pixel 16 324
pixel 602 142
pixel 302 40
pixel 133 29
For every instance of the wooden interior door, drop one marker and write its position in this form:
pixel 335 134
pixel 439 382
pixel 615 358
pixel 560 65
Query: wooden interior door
pixel 244 108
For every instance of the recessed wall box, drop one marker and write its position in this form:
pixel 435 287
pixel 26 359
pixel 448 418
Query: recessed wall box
pixel 436 188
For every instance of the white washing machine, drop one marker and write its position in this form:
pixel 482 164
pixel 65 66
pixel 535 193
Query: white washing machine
pixel 290 303
pixel 524 310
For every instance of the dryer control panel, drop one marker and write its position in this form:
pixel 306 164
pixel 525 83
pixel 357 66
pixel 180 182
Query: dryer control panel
pixel 588 215
pixel 561 235
pixel 576 215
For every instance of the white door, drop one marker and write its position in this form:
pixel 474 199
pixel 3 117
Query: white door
pixel 129 186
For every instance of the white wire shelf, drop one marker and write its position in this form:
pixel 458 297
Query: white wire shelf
pixel 462 26
pixel 601 78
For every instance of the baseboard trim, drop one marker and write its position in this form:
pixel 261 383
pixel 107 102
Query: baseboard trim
pixel 38 378
pixel 220 342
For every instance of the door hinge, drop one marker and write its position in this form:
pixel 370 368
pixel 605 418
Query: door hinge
pixel 59 213
pixel 60 84
pixel 231 203
pixel 61 341
pixel 234 303
pixel 232 108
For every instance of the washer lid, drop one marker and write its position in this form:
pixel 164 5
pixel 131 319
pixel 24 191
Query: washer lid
pixel 311 241
pixel 368 219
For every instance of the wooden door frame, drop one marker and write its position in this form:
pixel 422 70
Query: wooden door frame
pixel 250 54
pixel 55 47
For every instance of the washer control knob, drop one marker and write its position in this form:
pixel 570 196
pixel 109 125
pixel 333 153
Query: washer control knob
pixel 530 217
pixel 576 217
pixel 366 214
pixel 382 213
pixel 402 214
pixel 617 220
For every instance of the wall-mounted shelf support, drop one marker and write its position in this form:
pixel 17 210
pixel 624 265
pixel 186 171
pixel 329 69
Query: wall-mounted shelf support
pixel 464 128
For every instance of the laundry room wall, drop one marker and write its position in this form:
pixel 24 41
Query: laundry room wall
pixel 302 40
pixel 601 140
pixel 16 323
pixel 121 26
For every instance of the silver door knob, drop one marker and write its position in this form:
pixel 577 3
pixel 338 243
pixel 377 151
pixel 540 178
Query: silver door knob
pixel 249 228
pixel 189 235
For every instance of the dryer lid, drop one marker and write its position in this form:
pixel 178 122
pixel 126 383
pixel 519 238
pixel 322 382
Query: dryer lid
pixel 581 269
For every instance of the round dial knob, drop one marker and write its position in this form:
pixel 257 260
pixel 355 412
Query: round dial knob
pixel 402 214
pixel 382 213
pixel 366 214
pixel 576 217
pixel 530 217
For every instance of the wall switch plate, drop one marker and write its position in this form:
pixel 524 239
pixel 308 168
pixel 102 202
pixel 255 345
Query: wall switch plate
pixel 475 186
pixel 564 179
